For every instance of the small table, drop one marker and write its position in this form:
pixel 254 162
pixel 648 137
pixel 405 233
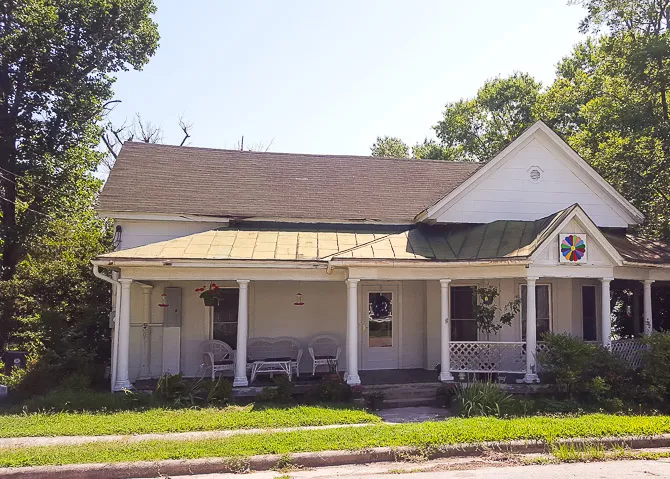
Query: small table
pixel 271 366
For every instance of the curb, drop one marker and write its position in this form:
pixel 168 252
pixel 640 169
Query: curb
pixel 310 459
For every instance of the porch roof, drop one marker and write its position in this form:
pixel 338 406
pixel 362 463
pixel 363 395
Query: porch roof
pixel 311 242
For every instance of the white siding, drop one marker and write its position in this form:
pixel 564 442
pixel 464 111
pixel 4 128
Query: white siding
pixel 508 193
pixel 143 232
pixel 595 255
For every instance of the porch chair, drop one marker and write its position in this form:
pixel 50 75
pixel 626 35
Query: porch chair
pixel 217 356
pixel 324 351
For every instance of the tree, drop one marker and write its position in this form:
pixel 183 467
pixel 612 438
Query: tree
pixel 610 103
pixel 431 150
pixel 139 130
pixel 476 129
pixel 389 147
pixel 57 65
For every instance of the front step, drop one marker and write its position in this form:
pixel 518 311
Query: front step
pixel 406 395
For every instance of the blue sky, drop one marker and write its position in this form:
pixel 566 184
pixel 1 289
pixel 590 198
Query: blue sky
pixel 329 77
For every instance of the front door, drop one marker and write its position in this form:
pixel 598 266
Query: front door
pixel 380 320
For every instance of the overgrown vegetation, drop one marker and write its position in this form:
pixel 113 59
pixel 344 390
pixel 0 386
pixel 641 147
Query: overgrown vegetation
pixel 481 399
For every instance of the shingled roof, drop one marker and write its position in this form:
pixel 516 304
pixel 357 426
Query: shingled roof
pixel 149 178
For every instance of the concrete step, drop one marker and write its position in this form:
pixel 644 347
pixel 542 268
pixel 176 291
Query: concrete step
pixel 410 402
pixel 404 391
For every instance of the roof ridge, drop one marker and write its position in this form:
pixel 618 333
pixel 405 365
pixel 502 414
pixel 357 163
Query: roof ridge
pixel 309 155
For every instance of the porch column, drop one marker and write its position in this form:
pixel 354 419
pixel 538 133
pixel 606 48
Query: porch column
pixel 648 323
pixel 606 313
pixel 531 332
pixel 146 344
pixel 352 332
pixel 242 335
pixel 122 381
pixel 445 332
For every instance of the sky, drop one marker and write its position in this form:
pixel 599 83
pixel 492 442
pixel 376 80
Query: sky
pixel 307 76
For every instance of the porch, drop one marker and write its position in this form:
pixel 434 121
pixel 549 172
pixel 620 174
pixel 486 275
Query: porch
pixel 423 326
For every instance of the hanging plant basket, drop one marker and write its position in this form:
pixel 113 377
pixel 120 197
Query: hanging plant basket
pixel 211 301
pixel 212 295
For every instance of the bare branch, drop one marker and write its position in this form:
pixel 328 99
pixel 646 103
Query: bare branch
pixel 185 127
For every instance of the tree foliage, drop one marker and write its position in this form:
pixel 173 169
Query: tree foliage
pixel 57 61
pixel 389 147
pixel 476 129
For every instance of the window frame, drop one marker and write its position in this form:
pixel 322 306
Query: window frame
pixel 550 296
pixel 211 314
pixel 451 305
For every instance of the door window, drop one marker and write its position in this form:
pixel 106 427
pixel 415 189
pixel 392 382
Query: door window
pixel 542 310
pixel 224 327
pixel 463 323
pixel 380 320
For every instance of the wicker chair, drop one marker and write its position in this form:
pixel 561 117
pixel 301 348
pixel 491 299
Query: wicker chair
pixel 217 356
pixel 324 351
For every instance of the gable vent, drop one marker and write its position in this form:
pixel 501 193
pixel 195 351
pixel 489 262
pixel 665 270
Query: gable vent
pixel 535 174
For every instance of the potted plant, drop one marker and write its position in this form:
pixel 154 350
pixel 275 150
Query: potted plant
pixel 210 295
pixel 332 374
pixel 375 400
pixel 357 391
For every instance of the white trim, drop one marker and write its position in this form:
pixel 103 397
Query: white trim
pixel 432 212
pixel 129 215
pixel 591 230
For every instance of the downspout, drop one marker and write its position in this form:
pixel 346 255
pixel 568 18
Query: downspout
pixel 115 343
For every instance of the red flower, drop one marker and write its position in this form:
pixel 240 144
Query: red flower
pixel 199 290
pixel 214 286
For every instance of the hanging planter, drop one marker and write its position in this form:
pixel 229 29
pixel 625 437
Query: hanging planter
pixel 298 300
pixel 211 295
pixel 164 301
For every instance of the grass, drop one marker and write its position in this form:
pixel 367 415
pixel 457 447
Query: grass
pixel 160 420
pixel 430 435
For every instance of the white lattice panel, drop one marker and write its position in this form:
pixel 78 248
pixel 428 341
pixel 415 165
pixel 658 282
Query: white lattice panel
pixel 629 351
pixel 487 357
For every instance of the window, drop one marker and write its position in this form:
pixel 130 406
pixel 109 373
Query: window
pixel 224 327
pixel 589 327
pixel 380 320
pixel 542 310
pixel 463 324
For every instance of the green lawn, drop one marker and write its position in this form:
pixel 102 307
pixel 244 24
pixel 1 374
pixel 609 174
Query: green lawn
pixel 433 434
pixel 176 420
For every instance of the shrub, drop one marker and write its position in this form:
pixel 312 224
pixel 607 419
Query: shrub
pixel 281 393
pixel 582 369
pixel 331 390
pixel 655 375
pixel 177 391
pixel 481 399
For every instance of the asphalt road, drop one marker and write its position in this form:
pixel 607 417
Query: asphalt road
pixel 443 470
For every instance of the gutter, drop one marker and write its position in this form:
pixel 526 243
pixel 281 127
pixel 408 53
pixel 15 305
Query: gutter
pixel 117 302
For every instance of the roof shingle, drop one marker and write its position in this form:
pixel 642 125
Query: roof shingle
pixel 149 178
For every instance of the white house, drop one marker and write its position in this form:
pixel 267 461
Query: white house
pixel 381 254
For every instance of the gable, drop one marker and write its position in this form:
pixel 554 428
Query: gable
pixel 548 253
pixel 535 176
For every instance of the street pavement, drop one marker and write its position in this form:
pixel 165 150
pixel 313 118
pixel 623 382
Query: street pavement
pixel 462 470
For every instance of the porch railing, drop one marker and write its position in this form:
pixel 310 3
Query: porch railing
pixel 629 351
pixel 487 357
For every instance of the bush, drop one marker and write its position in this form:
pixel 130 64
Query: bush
pixel 330 390
pixel 583 370
pixel 481 399
pixel 655 375
pixel 175 390
pixel 281 393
